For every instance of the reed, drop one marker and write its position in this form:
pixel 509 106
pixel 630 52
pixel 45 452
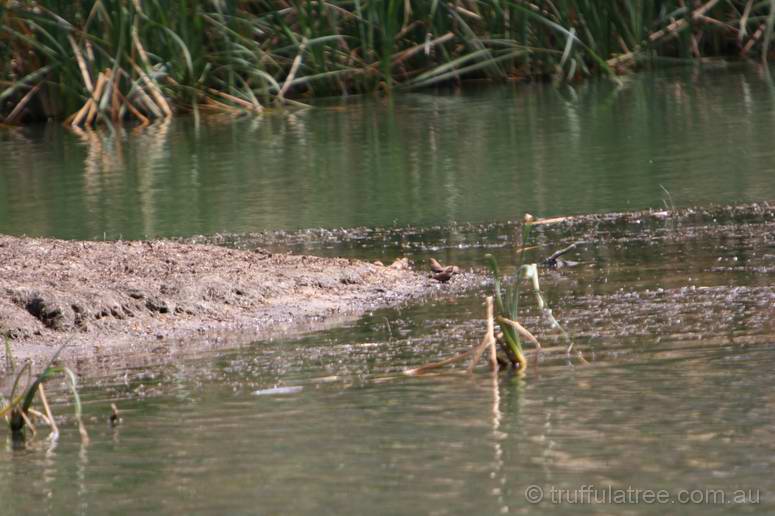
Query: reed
pixel 507 298
pixel 100 61
pixel 17 408
pixel 503 308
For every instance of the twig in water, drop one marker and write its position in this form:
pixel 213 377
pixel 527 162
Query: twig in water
pixel 488 341
pixel 437 365
pixel 114 419
pixel 475 352
pixel 54 429
pixel 77 399
pixel 27 421
pixel 39 415
pixel 669 201
pixel 491 336
pixel 531 273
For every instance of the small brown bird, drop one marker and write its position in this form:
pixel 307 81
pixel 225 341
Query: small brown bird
pixel 436 266
pixel 440 273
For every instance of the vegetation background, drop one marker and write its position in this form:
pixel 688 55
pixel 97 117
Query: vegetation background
pixel 93 61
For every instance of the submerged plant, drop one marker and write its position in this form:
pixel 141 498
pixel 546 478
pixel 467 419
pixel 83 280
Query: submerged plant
pixel 505 313
pixel 507 303
pixel 18 408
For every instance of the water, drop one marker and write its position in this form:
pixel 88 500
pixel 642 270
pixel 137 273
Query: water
pixel 675 318
pixel 424 158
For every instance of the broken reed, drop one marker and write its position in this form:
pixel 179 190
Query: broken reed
pixel 505 313
pixel 108 60
pixel 17 409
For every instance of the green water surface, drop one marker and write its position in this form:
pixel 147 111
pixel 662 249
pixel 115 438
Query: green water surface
pixel 424 158
pixel 676 326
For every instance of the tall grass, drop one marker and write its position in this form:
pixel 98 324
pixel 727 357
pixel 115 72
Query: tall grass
pixel 103 60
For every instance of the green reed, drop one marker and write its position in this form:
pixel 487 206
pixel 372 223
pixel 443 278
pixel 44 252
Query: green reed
pixel 157 56
pixel 17 408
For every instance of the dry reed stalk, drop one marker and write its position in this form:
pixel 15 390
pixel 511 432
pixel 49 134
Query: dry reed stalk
pixel 671 29
pixel 292 73
pixel 115 99
pixel 17 110
pixel 344 12
pixel 97 95
pixel 51 422
pixel 149 83
pixel 718 23
pixel 491 335
pixel 144 121
pixel 467 13
pixel 488 341
pixel 84 434
pixel 521 250
pixel 39 415
pixel 147 102
pixel 744 21
pixel 475 353
pixel 521 330
pixel 250 106
pixel 220 106
pixel 28 422
pixel 683 22
pixel 154 91
pixel 437 365
pixel 81 64
pixel 107 90
pixel 426 46
pixel 139 46
pixel 81 114
pixel 756 36
pixel 551 220
pixel 406 28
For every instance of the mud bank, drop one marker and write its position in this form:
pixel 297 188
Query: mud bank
pixel 130 295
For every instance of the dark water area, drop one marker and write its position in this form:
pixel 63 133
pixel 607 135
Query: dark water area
pixel 674 316
pixel 479 155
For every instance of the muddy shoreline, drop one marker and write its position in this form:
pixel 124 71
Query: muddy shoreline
pixel 149 301
pixel 134 296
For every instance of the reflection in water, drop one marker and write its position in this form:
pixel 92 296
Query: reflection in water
pixel 676 320
pixel 83 478
pixel 420 158
pixel 105 158
pixel 497 437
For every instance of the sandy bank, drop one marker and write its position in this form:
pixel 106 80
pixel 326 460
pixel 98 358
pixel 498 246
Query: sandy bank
pixel 123 295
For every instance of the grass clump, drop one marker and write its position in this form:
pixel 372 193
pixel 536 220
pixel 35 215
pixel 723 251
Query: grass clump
pixel 503 308
pixel 513 334
pixel 17 408
pixel 100 61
